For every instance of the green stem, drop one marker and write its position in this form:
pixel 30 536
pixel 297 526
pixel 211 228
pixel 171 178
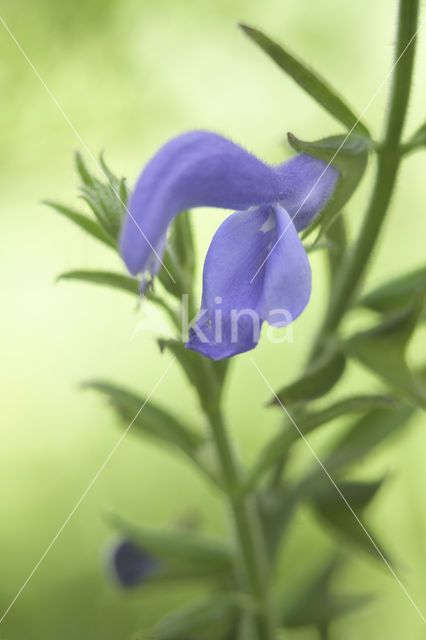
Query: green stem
pixel 389 157
pixel 252 558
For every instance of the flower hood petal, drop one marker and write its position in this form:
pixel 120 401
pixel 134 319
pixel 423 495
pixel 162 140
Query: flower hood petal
pixel 196 169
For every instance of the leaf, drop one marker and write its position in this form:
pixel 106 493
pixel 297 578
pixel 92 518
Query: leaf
pixel 354 404
pixel 307 421
pixel 149 419
pixel 382 350
pixel 321 376
pixel 104 278
pixel 314 605
pixel 308 79
pixel 206 375
pixel 396 293
pixel 114 180
pixel 349 156
pixel 208 618
pixel 82 170
pixel 90 226
pixel 417 140
pixel 335 512
pixel 365 434
pixel 177 547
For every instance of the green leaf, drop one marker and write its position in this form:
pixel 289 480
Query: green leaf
pixel 335 512
pixel 396 293
pixel 321 376
pixel 104 278
pixel 83 172
pixel 209 618
pixel 308 79
pixel 307 421
pixel 149 419
pixel 349 156
pixel 382 350
pixel 90 226
pixel 206 375
pixel 313 605
pixel 417 140
pixel 355 404
pixel 365 434
pixel 114 180
pixel 178 547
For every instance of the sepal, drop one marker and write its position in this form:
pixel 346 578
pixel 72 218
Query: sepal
pixel 107 200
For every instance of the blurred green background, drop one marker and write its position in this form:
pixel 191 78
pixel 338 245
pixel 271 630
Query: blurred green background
pixel 130 74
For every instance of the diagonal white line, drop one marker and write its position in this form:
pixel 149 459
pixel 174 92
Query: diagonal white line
pixel 88 488
pixel 311 449
pixel 363 112
pixel 82 142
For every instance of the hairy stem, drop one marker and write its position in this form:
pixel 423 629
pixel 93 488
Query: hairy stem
pixel 252 563
pixel 389 157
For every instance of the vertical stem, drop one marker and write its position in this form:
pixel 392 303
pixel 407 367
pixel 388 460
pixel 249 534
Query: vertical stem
pixel 389 157
pixel 252 565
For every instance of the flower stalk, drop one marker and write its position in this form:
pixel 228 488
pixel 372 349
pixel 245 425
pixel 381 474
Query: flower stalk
pixel 251 560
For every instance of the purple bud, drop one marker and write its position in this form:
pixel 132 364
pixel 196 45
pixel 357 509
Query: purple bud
pixel 131 565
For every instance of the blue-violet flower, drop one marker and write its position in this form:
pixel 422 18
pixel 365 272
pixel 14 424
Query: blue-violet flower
pixel 131 565
pixel 256 268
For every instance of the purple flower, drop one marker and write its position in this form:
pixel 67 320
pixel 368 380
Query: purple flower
pixel 131 565
pixel 256 268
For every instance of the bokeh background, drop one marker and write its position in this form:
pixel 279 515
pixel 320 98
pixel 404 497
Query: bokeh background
pixel 129 74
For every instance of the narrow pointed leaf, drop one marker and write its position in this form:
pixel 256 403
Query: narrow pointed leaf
pixel 417 140
pixel 382 350
pixel 349 156
pixel 355 404
pixel 313 604
pixel 90 226
pixel 147 418
pixel 334 511
pixel 109 175
pixel 308 79
pixel 323 374
pixel 104 278
pixel 307 421
pixel 366 434
pixel 397 293
pixel 83 172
